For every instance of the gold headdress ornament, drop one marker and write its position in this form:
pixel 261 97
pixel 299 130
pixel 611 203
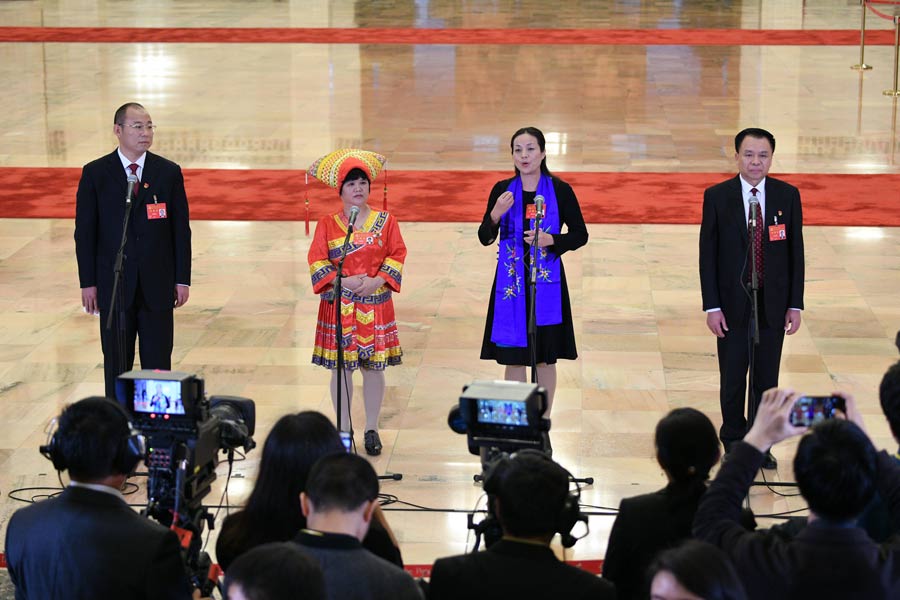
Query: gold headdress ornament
pixel 332 169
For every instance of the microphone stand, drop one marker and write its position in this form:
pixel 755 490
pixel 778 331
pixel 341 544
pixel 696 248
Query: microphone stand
pixel 117 298
pixel 339 329
pixel 532 293
pixel 754 316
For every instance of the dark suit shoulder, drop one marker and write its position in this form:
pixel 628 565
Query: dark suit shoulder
pixel 163 161
pixel 104 161
pixel 724 187
pixel 774 185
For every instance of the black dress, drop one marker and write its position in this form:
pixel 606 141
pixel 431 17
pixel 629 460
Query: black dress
pixel 553 341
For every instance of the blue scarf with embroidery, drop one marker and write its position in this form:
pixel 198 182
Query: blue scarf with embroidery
pixel 510 326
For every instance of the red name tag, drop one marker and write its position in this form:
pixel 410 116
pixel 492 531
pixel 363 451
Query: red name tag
pixel 530 211
pixel 363 238
pixel 157 210
pixel 777 233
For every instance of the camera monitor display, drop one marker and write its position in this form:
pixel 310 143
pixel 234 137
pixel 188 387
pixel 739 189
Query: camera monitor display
pixel 158 397
pixel 502 412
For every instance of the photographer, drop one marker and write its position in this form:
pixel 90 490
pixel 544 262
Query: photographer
pixel 528 494
pixel 87 542
pixel 837 470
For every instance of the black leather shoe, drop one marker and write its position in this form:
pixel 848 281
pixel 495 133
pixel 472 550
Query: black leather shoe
pixel 372 443
pixel 769 461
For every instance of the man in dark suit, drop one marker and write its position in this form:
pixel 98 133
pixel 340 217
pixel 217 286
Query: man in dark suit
pixel 725 266
pixel 157 265
pixel 87 542
pixel 837 470
pixel 529 495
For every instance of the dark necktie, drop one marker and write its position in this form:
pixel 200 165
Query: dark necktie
pixel 134 168
pixel 757 236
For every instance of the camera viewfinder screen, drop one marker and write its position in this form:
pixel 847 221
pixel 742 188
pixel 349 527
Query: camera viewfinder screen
pixel 502 412
pixel 809 410
pixel 159 397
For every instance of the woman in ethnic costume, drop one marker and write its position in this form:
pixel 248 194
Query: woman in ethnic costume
pixel 372 272
pixel 510 217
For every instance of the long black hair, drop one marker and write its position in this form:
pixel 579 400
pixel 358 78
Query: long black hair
pixel 542 143
pixel 295 443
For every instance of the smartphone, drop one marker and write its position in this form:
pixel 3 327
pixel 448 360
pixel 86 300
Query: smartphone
pixel 347 440
pixel 809 410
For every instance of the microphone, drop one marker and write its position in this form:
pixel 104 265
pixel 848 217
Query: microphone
pixel 354 212
pixel 132 181
pixel 539 206
pixel 753 210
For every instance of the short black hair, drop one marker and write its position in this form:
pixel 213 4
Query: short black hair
pixel 531 490
pixel 889 395
pixel 275 571
pixel 753 132
pixel 836 469
pixel 687 445
pixel 341 482
pixel 354 174
pixel 91 436
pixel 702 569
pixel 119 118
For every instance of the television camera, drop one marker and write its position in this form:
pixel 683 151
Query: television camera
pixel 184 432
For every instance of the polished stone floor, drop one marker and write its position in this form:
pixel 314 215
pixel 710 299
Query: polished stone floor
pixel 249 325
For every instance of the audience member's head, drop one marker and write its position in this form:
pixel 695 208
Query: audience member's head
pixel 295 443
pixel 528 493
pixel 275 571
pixel 340 495
pixel 835 468
pixel 94 441
pixel 687 446
pixel 694 571
pixel 889 395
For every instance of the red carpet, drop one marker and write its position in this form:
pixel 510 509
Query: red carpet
pixel 606 37
pixel 460 196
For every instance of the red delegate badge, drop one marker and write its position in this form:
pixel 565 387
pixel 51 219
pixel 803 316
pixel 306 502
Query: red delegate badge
pixel 363 238
pixel 157 210
pixel 530 211
pixel 777 233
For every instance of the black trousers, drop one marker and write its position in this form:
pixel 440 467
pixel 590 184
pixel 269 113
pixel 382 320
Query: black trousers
pixel 154 331
pixel 734 362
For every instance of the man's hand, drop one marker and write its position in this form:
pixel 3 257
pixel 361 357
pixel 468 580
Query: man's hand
pixel 715 320
pixel 773 423
pixel 89 300
pixel 182 292
pixel 791 321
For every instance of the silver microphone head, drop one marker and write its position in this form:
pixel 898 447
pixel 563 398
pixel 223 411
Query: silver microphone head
pixel 539 205
pixel 354 212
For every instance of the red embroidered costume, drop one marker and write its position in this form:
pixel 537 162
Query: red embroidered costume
pixel 369 328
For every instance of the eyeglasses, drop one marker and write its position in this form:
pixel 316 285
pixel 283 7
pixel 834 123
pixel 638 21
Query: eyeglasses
pixel 141 127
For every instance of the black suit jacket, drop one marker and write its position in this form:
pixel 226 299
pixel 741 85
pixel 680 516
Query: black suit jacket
pixel 517 570
pixel 822 561
pixel 86 544
pixel 723 251
pixel 647 525
pixel 158 250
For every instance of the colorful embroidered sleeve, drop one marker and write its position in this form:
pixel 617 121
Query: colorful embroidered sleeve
pixel 321 270
pixel 392 267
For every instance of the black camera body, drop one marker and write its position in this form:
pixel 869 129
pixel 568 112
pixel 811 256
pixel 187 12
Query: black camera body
pixel 184 433
pixel 503 416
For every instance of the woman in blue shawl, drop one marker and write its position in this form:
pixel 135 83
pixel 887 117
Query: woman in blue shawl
pixel 509 218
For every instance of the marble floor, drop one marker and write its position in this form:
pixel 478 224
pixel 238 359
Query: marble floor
pixel 248 327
